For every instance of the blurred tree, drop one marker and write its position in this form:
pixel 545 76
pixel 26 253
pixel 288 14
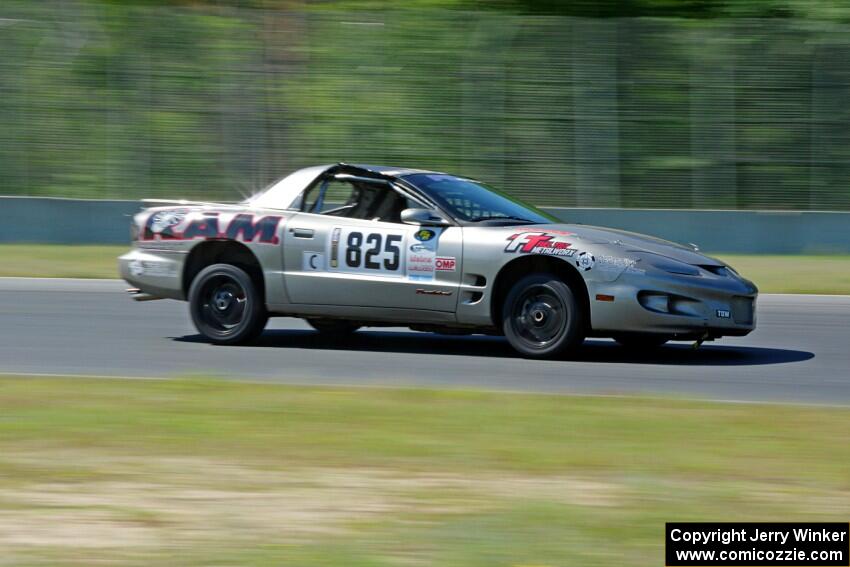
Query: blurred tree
pixel 564 103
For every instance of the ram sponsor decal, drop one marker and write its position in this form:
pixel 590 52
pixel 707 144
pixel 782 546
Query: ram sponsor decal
pixel 445 264
pixel 545 243
pixel 163 222
pixel 179 225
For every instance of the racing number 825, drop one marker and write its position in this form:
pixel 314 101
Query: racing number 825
pixel 354 255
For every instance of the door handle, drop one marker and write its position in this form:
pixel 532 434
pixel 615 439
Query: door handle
pixel 302 232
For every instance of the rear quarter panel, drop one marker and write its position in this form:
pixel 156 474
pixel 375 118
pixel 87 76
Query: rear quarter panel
pixel 167 236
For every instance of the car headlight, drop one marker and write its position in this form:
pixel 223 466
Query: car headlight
pixel 666 264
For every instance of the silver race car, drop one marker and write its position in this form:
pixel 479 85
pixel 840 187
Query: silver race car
pixel 345 246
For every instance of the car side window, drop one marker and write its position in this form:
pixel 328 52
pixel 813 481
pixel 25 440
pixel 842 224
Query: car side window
pixel 357 200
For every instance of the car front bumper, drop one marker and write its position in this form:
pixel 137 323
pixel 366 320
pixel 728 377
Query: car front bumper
pixel 687 307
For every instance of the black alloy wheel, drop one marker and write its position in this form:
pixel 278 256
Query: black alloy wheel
pixel 225 305
pixel 541 317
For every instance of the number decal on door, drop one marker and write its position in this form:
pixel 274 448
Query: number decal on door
pixel 394 261
pixel 372 252
pixel 352 252
pixel 375 240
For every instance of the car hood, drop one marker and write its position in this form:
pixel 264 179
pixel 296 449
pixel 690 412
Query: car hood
pixel 634 242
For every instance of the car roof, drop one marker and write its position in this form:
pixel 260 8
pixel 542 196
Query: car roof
pixel 282 193
pixel 389 170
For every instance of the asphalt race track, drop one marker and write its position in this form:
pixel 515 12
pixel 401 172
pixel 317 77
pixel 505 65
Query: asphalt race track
pixel 800 351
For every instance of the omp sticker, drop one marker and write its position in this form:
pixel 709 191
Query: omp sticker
pixel 445 264
pixel 585 261
pixel 367 250
pixel 312 261
pixel 546 243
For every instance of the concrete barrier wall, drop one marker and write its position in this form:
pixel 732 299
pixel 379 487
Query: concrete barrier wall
pixel 74 221
pixel 65 221
pixel 763 232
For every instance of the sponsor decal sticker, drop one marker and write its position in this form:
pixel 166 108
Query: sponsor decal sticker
pixel 136 267
pixel 424 235
pixel 179 224
pixel 445 264
pixel 585 261
pixel 312 261
pixel 152 268
pixel 422 259
pixel 160 222
pixel 335 247
pixel 545 243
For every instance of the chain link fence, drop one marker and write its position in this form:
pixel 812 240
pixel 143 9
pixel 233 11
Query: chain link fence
pixel 105 100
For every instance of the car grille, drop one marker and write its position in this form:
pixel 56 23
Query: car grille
pixel 743 309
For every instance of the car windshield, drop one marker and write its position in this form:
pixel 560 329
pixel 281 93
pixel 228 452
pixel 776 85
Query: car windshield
pixel 472 201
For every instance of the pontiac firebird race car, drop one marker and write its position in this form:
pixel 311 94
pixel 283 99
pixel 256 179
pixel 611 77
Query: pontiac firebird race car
pixel 345 246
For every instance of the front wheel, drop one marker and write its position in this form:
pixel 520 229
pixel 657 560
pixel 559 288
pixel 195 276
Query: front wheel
pixel 225 305
pixel 542 318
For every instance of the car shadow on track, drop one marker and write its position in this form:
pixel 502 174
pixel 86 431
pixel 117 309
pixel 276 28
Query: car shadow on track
pixel 592 351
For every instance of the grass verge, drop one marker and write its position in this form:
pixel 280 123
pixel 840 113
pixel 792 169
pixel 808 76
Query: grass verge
pixel 58 261
pixel 772 273
pixel 794 274
pixel 203 472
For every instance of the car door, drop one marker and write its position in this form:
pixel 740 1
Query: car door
pixel 330 259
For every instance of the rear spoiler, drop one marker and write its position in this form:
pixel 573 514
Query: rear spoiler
pixel 185 203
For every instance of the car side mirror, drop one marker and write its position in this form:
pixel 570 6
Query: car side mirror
pixel 423 217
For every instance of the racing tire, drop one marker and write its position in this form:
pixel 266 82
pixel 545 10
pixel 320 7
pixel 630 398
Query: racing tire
pixel 542 318
pixel 641 341
pixel 226 306
pixel 333 327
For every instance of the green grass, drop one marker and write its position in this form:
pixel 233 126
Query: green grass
pixel 794 274
pixel 58 261
pixel 204 472
pixel 772 273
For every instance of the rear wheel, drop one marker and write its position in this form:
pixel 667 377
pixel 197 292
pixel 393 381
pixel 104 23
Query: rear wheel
pixel 641 341
pixel 333 327
pixel 542 317
pixel 225 305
